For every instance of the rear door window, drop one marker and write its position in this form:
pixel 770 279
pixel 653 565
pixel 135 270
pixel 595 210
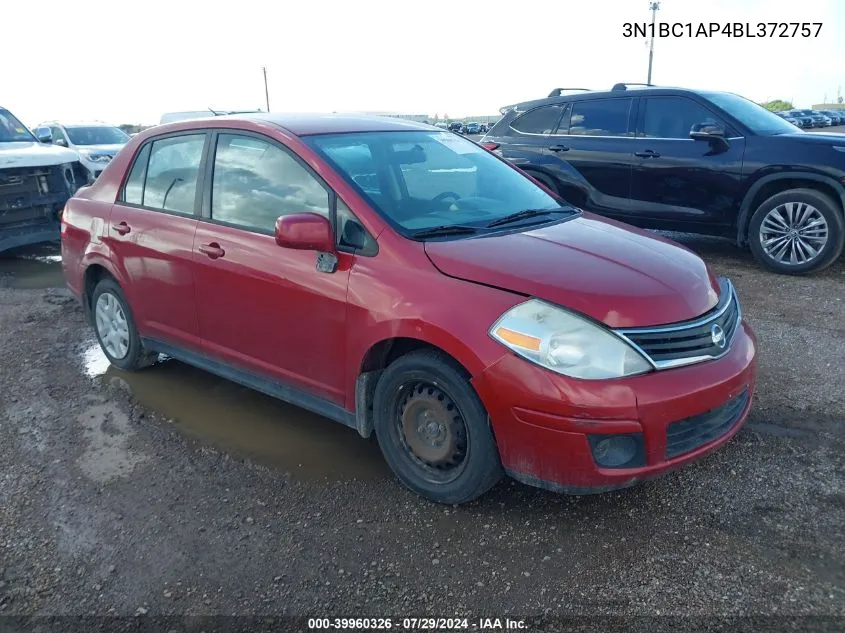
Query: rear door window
pixel 542 120
pixel 172 174
pixel 600 117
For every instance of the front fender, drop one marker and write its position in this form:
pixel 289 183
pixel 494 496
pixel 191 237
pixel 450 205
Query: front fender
pixel 745 210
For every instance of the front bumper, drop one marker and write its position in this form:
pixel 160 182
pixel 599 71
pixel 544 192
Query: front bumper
pixel 542 421
pixel 28 235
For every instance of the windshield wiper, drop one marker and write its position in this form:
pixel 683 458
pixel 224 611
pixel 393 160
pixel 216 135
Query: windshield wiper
pixel 446 229
pixel 527 213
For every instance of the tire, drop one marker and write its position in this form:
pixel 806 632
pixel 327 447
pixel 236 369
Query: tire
pixel 814 210
pixel 426 388
pixel 108 293
pixel 548 181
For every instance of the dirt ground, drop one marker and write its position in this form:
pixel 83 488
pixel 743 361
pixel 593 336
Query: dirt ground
pixel 173 492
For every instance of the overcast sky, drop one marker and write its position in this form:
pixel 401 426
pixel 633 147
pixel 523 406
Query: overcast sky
pixel 129 61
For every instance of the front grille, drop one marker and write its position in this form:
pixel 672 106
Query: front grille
pixel 687 435
pixel 29 194
pixel 689 342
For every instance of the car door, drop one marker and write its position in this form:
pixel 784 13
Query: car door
pixel 528 138
pixel 593 145
pixel 151 235
pixel 265 309
pixel 680 183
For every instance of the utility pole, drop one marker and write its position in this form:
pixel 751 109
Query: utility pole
pixel 654 6
pixel 266 93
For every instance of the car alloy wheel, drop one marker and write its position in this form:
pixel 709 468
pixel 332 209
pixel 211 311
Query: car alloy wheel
pixel 793 233
pixel 112 326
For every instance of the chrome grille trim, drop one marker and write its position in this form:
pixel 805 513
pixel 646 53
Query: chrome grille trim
pixel 680 341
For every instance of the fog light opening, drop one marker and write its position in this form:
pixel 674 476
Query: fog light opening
pixel 618 451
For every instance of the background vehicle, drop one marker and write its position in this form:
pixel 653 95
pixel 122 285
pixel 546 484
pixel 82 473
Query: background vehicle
pixel 257 282
pixel 818 119
pixel 35 182
pixel 804 121
pixel 836 117
pixel 442 124
pixel 748 175
pixel 456 126
pixel 94 143
pixel 789 119
pixel 472 128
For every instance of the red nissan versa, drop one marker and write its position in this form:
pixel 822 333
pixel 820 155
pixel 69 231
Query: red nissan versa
pixel 399 278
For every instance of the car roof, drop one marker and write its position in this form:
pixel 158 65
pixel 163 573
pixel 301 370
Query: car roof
pixel 306 124
pixel 604 94
pixel 78 123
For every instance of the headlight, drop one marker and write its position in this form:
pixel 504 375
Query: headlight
pixel 97 158
pixel 566 343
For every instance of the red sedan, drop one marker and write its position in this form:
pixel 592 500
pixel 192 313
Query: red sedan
pixel 402 280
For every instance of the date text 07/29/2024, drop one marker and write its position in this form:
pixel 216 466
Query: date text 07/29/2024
pixel 720 29
pixel 410 624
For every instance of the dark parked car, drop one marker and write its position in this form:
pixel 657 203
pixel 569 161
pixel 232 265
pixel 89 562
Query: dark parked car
pixel 456 126
pixel 837 117
pixel 472 128
pixel 789 119
pixel 319 259
pixel 818 119
pixel 747 174
pixel 804 121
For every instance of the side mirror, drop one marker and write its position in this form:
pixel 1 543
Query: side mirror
pixel 713 133
pixel 305 232
pixel 706 131
pixel 44 135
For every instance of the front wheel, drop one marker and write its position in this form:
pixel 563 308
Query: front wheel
pixel 797 231
pixel 433 429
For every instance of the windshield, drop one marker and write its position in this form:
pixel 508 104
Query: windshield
pixel 96 135
pixel 12 130
pixel 755 117
pixel 420 180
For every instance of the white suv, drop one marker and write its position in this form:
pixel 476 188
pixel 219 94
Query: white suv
pixel 95 143
pixel 35 182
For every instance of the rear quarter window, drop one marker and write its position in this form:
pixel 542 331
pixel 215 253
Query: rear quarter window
pixel 543 120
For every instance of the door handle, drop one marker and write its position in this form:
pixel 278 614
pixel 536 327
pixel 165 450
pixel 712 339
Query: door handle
pixel 122 228
pixel 649 153
pixel 559 148
pixel 213 250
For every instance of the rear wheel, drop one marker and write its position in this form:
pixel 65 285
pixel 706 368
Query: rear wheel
pixel 797 231
pixel 433 429
pixel 115 328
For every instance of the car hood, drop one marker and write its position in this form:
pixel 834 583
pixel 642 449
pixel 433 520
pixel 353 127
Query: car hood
pixel 32 154
pixel 101 149
pixel 620 276
pixel 829 138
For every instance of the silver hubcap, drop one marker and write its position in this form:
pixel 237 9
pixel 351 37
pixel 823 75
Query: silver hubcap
pixel 793 233
pixel 112 326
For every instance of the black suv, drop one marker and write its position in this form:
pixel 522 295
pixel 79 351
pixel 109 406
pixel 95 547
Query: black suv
pixel 686 160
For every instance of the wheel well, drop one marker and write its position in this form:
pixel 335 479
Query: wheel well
pixel 377 358
pixel 380 355
pixel 93 274
pixel 778 186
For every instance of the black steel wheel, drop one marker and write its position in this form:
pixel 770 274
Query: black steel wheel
pixel 433 429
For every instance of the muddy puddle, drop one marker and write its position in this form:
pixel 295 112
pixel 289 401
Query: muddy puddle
pixel 246 422
pixel 32 268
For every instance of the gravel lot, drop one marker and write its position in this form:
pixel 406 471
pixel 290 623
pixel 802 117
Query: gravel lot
pixel 172 492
